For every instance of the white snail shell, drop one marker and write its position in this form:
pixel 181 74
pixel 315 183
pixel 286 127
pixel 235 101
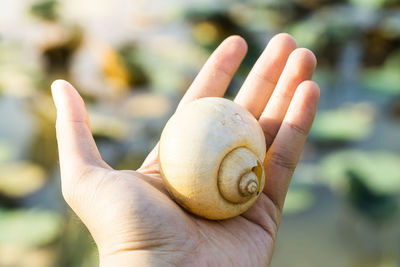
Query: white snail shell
pixel 210 155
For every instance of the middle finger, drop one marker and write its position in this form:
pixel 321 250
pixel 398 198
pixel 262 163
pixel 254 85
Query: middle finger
pixel 262 79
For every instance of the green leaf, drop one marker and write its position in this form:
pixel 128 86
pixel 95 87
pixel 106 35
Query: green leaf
pixel 348 123
pixel 386 80
pixel 378 170
pixel 18 179
pixel 20 72
pixel 45 9
pixel 373 4
pixel 108 126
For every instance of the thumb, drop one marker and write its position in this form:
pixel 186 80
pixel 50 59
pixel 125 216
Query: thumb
pixel 77 150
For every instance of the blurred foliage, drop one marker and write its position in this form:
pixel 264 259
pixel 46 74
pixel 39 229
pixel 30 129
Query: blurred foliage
pixel 384 79
pixel 298 200
pixel 18 179
pixel 29 228
pixel 77 247
pixel 5 152
pixel 211 27
pixel 19 73
pixel 43 147
pixel 376 3
pixel 369 180
pixel 45 9
pixel 325 33
pixel 377 206
pixel 378 170
pixel 137 76
pixel 58 49
pixel 108 126
pixel 345 124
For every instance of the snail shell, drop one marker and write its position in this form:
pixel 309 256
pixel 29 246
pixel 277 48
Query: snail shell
pixel 210 155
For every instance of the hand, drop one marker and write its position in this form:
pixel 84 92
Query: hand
pixel 130 214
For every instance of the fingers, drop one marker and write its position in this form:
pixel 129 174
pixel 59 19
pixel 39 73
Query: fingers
pixel 299 67
pixel 282 157
pixel 263 77
pixel 217 72
pixel 76 146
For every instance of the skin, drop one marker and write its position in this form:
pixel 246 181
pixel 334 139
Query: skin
pixel 129 213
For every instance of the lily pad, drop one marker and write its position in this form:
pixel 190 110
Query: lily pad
pixel 29 228
pixel 373 4
pixel 108 126
pixel 348 123
pixel 18 179
pixel 147 105
pixel 385 79
pixel 378 170
pixel 298 200
pixel 324 27
pixel 20 71
pixel 15 255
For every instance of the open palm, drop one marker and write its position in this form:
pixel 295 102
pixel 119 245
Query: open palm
pixel 130 214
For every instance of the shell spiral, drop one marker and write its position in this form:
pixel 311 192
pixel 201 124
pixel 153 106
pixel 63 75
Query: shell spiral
pixel 210 155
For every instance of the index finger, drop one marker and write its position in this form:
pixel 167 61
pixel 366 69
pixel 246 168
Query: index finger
pixel 216 74
pixel 76 145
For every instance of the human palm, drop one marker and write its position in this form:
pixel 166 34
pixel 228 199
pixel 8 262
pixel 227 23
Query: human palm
pixel 130 214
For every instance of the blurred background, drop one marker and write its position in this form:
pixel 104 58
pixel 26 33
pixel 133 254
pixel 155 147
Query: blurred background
pixel 133 60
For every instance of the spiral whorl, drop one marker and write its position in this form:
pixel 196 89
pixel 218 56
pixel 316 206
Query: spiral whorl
pixel 239 177
pixel 248 184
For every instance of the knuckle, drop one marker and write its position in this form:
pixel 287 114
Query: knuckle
pixel 284 94
pixel 270 81
pixel 221 70
pixel 282 160
pixel 297 129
